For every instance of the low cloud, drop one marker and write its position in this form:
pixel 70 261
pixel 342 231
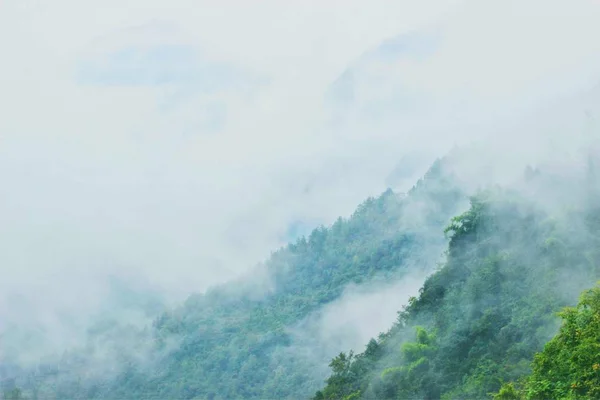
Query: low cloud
pixel 190 184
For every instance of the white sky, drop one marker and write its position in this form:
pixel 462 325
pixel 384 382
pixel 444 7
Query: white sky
pixel 96 177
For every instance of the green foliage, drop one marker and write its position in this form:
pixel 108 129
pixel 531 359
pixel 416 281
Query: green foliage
pixel 478 321
pixel 573 356
pixel 508 391
pixel 349 373
pixel 231 342
pixel 511 265
pixel 405 380
pixel 569 365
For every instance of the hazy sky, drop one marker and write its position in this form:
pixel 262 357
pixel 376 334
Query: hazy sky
pixel 180 140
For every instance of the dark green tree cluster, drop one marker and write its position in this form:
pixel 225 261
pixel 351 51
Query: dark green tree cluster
pixel 569 365
pixel 230 342
pixel 514 259
pixel 512 263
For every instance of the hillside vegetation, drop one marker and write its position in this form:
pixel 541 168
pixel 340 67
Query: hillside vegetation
pixel 485 324
pixel 235 341
pixel 514 260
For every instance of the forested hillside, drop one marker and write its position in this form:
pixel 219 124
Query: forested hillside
pixel 235 341
pixel 293 200
pixel 515 258
pixel 569 365
pixel 481 326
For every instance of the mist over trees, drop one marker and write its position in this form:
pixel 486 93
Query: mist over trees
pixel 513 262
pixel 171 181
pixel 500 267
pixel 241 337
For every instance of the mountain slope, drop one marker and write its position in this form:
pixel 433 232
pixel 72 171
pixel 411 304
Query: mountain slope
pixel 235 341
pixel 569 365
pixel 512 262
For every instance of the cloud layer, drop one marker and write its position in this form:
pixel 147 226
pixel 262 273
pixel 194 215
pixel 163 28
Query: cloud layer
pixel 181 141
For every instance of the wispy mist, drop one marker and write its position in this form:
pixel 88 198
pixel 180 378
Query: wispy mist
pixel 175 143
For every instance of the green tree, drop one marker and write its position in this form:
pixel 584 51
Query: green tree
pixel 569 365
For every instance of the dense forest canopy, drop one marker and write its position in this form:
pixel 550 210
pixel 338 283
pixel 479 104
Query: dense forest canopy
pixel 512 263
pixel 514 258
pixel 173 173
pixel 242 337
pixel 499 271
pixel 569 365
